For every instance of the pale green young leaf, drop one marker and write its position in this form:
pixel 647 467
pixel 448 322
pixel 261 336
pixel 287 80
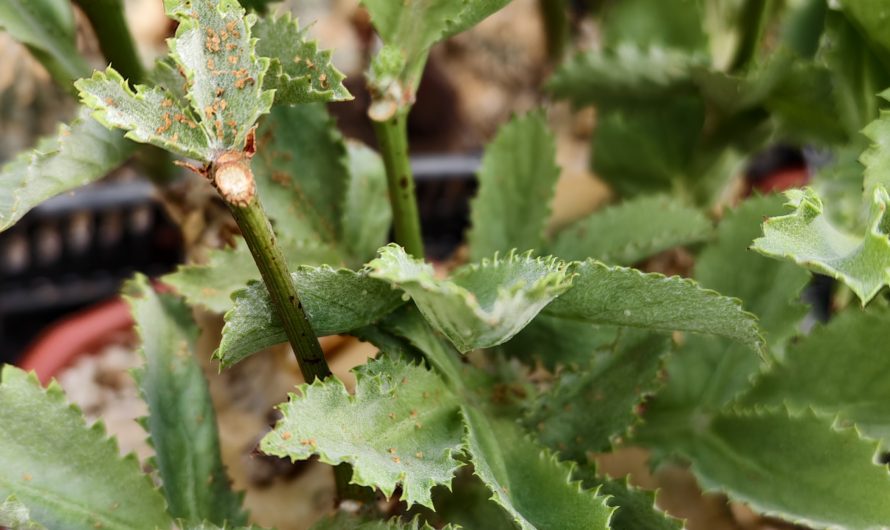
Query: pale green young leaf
pixel 634 507
pixel 516 185
pixel 335 301
pixel 627 297
pixel 47 28
pixel 527 480
pixel 402 427
pixel 631 231
pixel 811 472
pixel 807 237
pixel 299 71
pixel 81 152
pixel 148 114
pixel 587 409
pixel 625 74
pixel 409 30
pixel 16 516
pixel 481 305
pixel 181 421
pixel 68 475
pixel 229 270
pixel 837 368
pixel 367 214
pixel 768 288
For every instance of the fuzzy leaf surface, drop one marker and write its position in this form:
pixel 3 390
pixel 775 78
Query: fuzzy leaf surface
pixel 585 410
pixel 181 421
pixel 627 297
pixel 223 86
pixel 149 114
pixel 299 72
pixel 527 480
pixel 81 152
pixel 335 301
pixel 558 342
pixel 480 305
pixel 770 289
pixel 67 474
pixel 402 427
pixel 798 475
pixel 48 29
pixel 516 185
pixel 809 238
pixel 631 231
pixel 838 369
pixel 16 516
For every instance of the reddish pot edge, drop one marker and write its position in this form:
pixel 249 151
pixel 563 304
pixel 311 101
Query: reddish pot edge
pixel 87 331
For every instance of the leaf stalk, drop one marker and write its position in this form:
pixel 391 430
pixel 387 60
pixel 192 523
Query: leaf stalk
pixel 392 137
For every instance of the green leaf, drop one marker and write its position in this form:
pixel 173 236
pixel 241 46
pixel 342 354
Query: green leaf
pixel 558 342
pixel 627 297
pixel 833 369
pixel 344 521
pixel 68 475
pixel 668 23
pixel 299 72
pixel 409 30
pixel 631 231
pixel 466 504
pixel 516 185
pixel 807 237
pixel 876 158
pixel 149 115
pixel 402 426
pixel 634 507
pixel 527 480
pixel 858 73
pixel 228 270
pixel 302 172
pixel 47 28
pixel 224 79
pixel 366 215
pixel 181 421
pixel 78 154
pixel 16 516
pixel 587 409
pixel 648 148
pixel 810 472
pixel 870 17
pixel 210 526
pixel 482 305
pixel 768 288
pixel 335 301
pixel 624 75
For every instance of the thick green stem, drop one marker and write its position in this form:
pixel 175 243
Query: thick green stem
pixel 234 180
pixel 392 137
pixel 752 22
pixel 107 19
